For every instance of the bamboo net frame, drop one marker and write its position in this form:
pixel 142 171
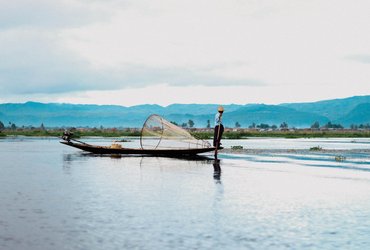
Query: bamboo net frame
pixel 158 133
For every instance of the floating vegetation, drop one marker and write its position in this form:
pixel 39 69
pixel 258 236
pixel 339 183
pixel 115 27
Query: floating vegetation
pixel 123 140
pixel 236 147
pixel 317 148
pixel 340 158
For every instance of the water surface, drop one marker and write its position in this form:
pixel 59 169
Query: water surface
pixel 55 197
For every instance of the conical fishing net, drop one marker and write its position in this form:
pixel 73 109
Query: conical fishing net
pixel 158 133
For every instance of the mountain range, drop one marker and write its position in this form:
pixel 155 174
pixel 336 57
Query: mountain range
pixel 346 111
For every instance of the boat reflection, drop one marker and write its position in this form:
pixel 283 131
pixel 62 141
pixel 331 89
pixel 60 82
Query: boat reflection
pixel 202 159
pixel 164 163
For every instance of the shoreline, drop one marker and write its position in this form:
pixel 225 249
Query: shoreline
pixel 265 136
pixel 299 134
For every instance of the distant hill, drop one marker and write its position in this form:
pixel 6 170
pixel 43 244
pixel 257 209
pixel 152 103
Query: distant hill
pixel 272 114
pixel 332 109
pixel 347 111
pixel 359 115
pixel 196 109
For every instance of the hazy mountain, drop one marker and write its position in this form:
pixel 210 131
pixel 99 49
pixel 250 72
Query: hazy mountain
pixel 332 109
pixel 272 114
pixel 197 109
pixel 359 115
pixel 353 110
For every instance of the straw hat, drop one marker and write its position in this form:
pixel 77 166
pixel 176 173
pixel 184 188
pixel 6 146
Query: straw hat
pixel 220 109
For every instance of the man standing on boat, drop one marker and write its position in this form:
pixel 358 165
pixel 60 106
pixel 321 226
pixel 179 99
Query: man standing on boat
pixel 219 128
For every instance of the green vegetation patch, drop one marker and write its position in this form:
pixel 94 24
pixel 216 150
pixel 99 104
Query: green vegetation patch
pixel 202 135
pixel 232 135
pixel 198 133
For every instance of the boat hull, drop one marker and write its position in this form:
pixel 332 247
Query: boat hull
pixel 133 151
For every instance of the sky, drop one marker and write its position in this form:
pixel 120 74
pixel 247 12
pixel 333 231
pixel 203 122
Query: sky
pixel 183 51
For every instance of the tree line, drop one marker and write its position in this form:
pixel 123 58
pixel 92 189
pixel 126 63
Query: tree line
pixel 191 124
pixel 282 126
pixel 13 126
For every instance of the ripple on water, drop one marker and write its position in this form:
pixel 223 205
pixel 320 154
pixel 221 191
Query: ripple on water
pixel 66 200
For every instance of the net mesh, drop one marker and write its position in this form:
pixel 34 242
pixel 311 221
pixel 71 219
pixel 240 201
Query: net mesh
pixel 158 133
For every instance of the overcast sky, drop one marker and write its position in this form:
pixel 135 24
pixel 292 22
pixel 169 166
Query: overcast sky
pixel 191 51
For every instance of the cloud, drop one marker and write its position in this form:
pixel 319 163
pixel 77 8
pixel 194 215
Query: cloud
pixel 361 58
pixel 33 57
pixel 44 14
pixel 40 64
pixel 34 62
pixel 66 46
pixel 36 56
pixel 141 75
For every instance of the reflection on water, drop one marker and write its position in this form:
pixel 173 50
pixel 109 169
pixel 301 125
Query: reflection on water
pixel 348 160
pixel 55 197
pixel 217 171
pixel 300 143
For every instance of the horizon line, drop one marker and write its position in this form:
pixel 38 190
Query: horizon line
pixel 164 106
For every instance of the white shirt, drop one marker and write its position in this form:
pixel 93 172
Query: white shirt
pixel 218 119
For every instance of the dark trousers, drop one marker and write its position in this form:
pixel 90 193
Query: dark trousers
pixel 217 140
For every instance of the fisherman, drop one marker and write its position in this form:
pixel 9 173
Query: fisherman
pixel 67 135
pixel 219 128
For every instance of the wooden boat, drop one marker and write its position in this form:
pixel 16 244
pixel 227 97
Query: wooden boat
pixel 137 151
pixel 159 137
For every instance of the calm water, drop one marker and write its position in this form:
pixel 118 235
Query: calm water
pixel 55 197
